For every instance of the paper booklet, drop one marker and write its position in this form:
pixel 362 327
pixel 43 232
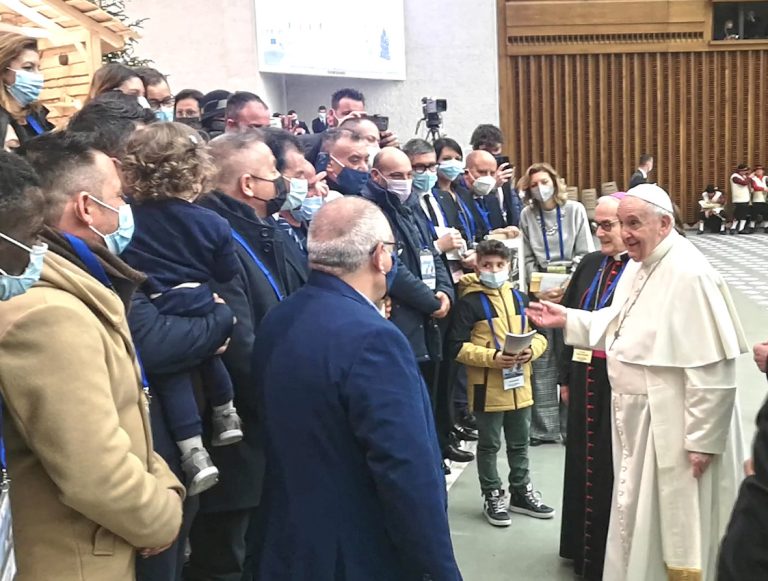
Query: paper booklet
pixel 515 343
pixel 544 281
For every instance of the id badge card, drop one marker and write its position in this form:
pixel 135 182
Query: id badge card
pixel 582 356
pixel 514 378
pixel 428 269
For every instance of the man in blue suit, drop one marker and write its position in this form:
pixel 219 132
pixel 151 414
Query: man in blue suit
pixel 354 488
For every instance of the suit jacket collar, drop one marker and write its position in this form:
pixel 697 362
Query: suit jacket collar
pixel 335 285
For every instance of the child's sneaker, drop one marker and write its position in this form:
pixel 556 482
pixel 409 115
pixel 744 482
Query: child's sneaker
pixel 526 501
pixel 494 510
pixel 227 428
pixel 199 470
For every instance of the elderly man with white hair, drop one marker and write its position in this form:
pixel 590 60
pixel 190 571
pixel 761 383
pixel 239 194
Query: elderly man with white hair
pixel 671 337
pixel 355 483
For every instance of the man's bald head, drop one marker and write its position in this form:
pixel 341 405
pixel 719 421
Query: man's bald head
pixel 344 233
pixel 480 163
pixel 480 159
pixel 391 164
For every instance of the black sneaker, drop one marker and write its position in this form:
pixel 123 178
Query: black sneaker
pixel 527 501
pixel 494 510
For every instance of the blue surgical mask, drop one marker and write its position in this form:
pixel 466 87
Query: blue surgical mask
pixel 27 87
pixel 308 209
pixel 164 114
pixel 451 169
pixel 118 240
pixel 13 286
pixel 350 181
pixel 494 279
pixel 424 182
pixel 296 194
pixel 392 274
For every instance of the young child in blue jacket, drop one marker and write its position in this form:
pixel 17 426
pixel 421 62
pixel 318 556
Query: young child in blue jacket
pixel 181 247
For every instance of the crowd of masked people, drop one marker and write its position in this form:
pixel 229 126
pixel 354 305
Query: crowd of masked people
pixel 169 226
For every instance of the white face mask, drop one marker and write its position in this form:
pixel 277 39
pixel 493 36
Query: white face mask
pixel 401 189
pixel 543 193
pixel 483 186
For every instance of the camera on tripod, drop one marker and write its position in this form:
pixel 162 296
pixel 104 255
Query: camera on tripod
pixel 431 109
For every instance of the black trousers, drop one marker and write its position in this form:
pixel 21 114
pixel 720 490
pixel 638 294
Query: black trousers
pixel 169 565
pixel 219 546
pixel 445 410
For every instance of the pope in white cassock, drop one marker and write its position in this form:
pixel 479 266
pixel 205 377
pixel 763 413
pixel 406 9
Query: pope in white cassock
pixel 672 337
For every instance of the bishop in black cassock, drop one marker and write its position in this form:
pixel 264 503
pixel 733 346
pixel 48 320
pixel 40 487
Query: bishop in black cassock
pixel 588 479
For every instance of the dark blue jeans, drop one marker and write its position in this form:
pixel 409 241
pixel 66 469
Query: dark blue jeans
pixel 176 391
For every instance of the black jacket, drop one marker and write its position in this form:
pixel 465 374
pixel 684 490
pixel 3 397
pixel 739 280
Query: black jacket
pixel 462 214
pixel 318 125
pixel 250 296
pixel 512 208
pixel 169 344
pixel 27 131
pixel 636 179
pixel 412 301
pixel 742 554
pixel 295 268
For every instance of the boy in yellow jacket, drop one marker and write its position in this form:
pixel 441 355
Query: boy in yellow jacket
pixel 498 383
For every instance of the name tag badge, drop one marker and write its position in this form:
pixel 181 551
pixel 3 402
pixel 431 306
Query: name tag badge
pixel 514 378
pixel 582 356
pixel 428 269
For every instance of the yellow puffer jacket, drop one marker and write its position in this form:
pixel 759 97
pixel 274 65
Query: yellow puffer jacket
pixel 473 342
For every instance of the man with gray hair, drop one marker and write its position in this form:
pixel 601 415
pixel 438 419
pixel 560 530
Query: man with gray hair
pixel 355 488
pixel 671 338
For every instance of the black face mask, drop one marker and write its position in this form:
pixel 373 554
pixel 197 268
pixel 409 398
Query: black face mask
pixel 193 122
pixel 281 194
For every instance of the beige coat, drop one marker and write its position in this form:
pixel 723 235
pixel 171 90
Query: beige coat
pixel 86 486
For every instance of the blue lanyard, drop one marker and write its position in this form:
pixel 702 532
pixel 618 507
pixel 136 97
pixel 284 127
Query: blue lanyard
pixel 97 271
pixel 469 227
pixel 489 315
pixel 35 125
pixel 262 267
pixel 608 292
pixel 482 208
pixel 559 234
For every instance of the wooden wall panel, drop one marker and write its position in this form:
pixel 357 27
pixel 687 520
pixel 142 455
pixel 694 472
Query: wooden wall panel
pixel 592 115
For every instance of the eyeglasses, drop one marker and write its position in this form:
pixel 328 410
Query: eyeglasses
pixel 274 179
pixel 383 243
pixel 167 102
pixel 607 226
pixel 420 169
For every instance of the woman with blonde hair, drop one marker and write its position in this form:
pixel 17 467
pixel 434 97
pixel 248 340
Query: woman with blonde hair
pixel 182 248
pixel 556 235
pixel 22 117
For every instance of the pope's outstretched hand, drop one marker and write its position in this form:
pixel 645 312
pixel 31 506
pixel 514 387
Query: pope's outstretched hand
pixel 547 314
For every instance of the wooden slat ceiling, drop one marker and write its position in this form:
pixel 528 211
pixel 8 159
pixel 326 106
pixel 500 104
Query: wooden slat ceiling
pixel 93 12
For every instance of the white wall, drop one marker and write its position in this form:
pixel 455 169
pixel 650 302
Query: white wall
pixel 451 53
pixel 205 45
